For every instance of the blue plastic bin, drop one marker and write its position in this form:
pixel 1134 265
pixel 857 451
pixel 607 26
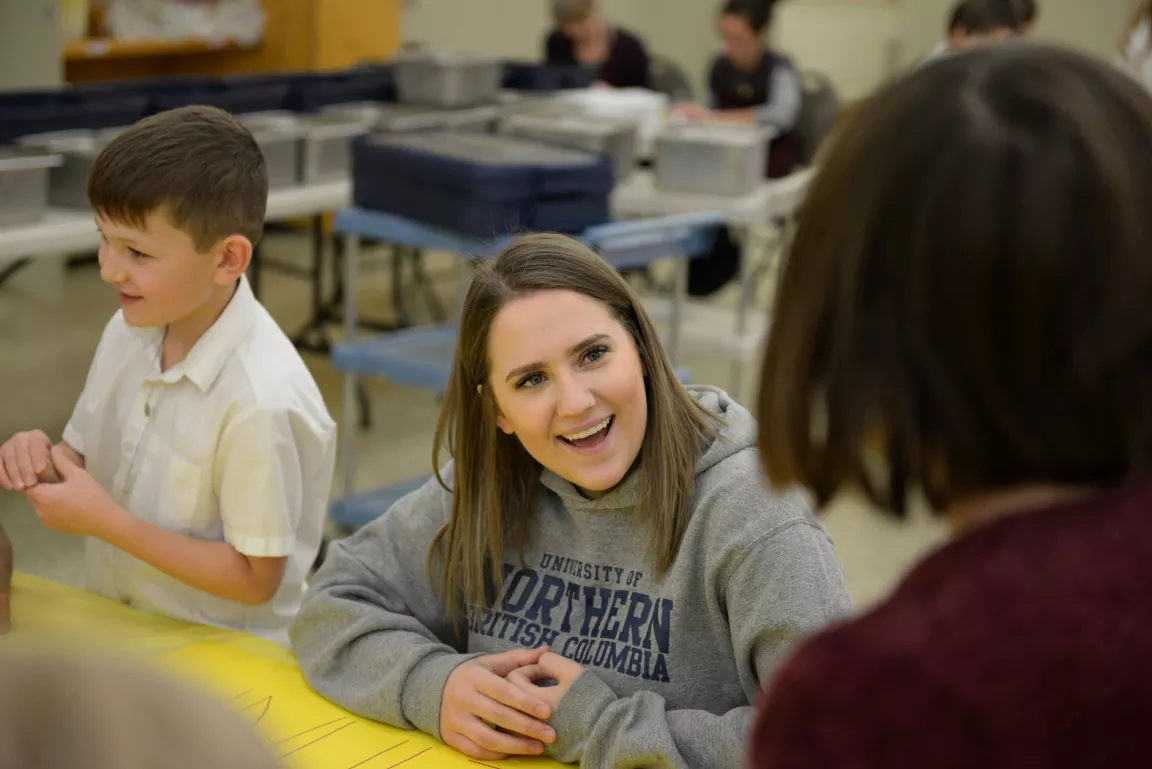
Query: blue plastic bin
pixel 24 113
pixel 237 100
pixel 238 94
pixel 481 186
pixel 525 76
pixel 370 85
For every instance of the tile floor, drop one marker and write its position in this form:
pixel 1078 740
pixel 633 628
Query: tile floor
pixel 45 349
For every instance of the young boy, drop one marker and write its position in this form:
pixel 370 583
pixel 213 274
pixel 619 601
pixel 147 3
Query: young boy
pixel 199 457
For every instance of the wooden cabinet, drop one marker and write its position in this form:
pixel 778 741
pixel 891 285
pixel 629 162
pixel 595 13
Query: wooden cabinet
pixel 298 34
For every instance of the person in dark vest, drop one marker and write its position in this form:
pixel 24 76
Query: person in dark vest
pixel 583 38
pixel 751 84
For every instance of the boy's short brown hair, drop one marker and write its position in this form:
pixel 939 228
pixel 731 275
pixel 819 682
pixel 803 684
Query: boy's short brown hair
pixel 197 164
pixel 969 287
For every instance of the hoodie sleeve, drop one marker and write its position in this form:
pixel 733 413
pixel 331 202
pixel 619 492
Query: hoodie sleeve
pixel 784 586
pixel 372 635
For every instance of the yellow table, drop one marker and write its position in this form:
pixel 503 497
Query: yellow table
pixel 258 678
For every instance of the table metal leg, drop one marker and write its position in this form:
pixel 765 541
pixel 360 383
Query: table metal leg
pixel 754 241
pixel 679 294
pixel 420 278
pixel 8 270
pixel 465 279
pixel 313 337
pixel 349 401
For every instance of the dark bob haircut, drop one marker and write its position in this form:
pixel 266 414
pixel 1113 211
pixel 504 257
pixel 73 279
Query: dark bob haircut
pixel 968 297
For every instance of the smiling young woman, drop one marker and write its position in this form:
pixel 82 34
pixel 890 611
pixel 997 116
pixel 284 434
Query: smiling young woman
pixel 595 507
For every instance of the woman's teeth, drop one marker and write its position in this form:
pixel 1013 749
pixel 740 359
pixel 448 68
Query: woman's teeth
pixel 587 433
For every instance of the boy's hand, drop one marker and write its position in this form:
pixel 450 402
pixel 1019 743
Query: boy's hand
pixel 23 459
pixel 78 504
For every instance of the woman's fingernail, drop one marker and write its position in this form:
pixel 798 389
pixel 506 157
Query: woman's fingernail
pixel 548 735
pixel 541 711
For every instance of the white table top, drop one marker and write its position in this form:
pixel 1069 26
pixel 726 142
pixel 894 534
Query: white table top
pixel 637 196
pixel 65 231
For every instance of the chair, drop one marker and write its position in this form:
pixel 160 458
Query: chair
pixel 668 78
pixel 818 114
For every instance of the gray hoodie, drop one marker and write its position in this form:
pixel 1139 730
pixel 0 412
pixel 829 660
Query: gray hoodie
pixel 672 665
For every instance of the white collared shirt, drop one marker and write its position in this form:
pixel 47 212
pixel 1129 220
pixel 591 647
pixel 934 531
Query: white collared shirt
pixel 233 444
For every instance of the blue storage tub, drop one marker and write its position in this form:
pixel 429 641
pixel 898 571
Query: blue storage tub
pixel 23 113
pixel 525 76
pixel 236 94
pixel 146 85
pixel 238 100
pixel 479 185
pixel 369 85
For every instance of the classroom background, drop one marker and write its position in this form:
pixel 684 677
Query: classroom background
pixel 52 309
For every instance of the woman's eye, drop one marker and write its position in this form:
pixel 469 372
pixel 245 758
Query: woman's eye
pixel 530 381
pixel 136 254
pixel 594 354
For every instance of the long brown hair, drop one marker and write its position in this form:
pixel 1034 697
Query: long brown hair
pixel 968 290
pixel 495 479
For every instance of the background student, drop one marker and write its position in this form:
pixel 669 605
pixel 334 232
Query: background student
pixel 582 37
pixel 1135 55
pixel 978 23
pixel 751 84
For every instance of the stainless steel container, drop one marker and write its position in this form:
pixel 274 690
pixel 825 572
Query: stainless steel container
pixel 711 160
pixel 279 135
pixel 326 149
pixel 24 175
pixel 444 79
pixel 613 137
pixel 68 182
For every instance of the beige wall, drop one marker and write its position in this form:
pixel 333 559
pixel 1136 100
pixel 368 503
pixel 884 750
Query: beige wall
pixel 856 42
pixel 30 47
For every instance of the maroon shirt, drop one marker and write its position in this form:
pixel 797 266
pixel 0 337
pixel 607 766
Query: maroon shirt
pixel 1027 643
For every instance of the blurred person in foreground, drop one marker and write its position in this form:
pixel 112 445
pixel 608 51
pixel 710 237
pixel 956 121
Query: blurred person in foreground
pixel 67 712
pixel 965 311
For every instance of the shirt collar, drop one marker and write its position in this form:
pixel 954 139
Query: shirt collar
pixel 212 350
